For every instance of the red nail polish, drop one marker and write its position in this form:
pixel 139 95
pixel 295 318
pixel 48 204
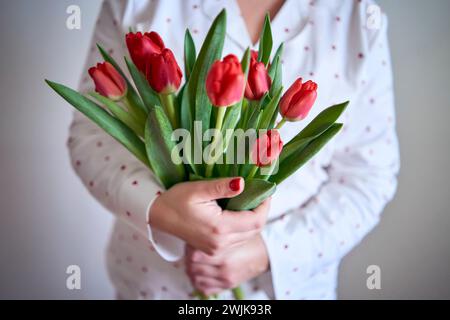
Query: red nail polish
pixel 235 184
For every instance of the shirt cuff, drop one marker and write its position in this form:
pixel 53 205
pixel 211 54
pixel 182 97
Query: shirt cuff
pixel 135 199
pixel 169 247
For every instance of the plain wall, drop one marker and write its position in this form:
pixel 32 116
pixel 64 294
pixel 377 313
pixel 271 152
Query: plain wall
pixel 48 220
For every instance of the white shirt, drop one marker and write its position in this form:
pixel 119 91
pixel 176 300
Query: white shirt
pixel 321 212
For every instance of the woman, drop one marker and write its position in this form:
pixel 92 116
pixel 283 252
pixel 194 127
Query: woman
pixel 166 243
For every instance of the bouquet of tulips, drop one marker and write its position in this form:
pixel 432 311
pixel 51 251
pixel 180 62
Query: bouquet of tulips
pixel 226 109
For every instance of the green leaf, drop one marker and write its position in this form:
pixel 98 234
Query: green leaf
pixel 269 110
pixel 148 95
pixel 275 74
pixel 121 114
pixel 298 158
pixel 278 54
pixel 104 120
pixel 189 54
pixel 322 121
pixel 159 146
pixel 255 192
pixel 132 95
pixel 265 42
pixel 211 51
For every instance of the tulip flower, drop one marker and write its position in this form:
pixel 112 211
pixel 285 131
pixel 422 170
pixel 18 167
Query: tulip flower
pixel 142 46
pixel 298 101
pixel 258 82
pixel 164 76
pixel 108 82
pixel 163 73
pixel 267 148
pixel 225 82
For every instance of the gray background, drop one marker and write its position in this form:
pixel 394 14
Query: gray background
pixel 48 222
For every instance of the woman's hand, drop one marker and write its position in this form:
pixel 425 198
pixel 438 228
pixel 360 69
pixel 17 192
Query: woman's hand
pixel 189 211
pixel 212 274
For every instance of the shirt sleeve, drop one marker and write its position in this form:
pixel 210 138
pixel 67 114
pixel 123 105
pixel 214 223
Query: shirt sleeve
pixel 361 181
pixel 119 181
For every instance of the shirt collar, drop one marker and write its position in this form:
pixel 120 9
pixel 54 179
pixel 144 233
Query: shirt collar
pixel 288 23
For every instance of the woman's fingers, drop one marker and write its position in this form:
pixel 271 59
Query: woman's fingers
pixel 243 221
pixel 208 190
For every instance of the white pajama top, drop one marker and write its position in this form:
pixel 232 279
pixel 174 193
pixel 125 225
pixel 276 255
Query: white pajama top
pixel 318 214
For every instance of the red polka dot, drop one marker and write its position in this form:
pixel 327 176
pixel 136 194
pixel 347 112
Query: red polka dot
pixel 311 74
pixel 144 269
pixel 195 31
pixel 134 183
pixel 143 293
pixel 195 6
pixel 135 237
pixel 129 259
pixel 123 167
pixel 371 100
pixel 164 288
pixel 78 163
pixel 286 30
pixel 158 193
pixel 333 47
pixel 168 20
pixel 107 158
pixel 360 55
pixel 338 19
pixel 91 184
pixel 286 246
pixel 295 269
pixel 306 48
pixel 255 288
pixel 128 213
pixel 99 144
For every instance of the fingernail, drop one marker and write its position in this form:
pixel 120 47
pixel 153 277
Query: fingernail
pixel 235 184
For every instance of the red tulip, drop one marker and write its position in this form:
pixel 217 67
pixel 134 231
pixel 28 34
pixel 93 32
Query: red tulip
pixel 298 100
pixel 108 82
pixel 267 148
pixel 225 82
pixel 258 82
pixel 163 73
pixel 142 46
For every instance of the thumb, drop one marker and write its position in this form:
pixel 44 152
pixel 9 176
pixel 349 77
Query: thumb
pixel 208 190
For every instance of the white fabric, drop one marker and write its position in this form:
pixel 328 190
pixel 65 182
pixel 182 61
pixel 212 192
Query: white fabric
pixel 320 213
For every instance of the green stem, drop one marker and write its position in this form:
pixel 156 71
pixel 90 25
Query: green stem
pixel 281 123
pixel 136 112
pixel 271 168
pixel 252 172
pixel 167 100
pixel 219 121
pixel 238 293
